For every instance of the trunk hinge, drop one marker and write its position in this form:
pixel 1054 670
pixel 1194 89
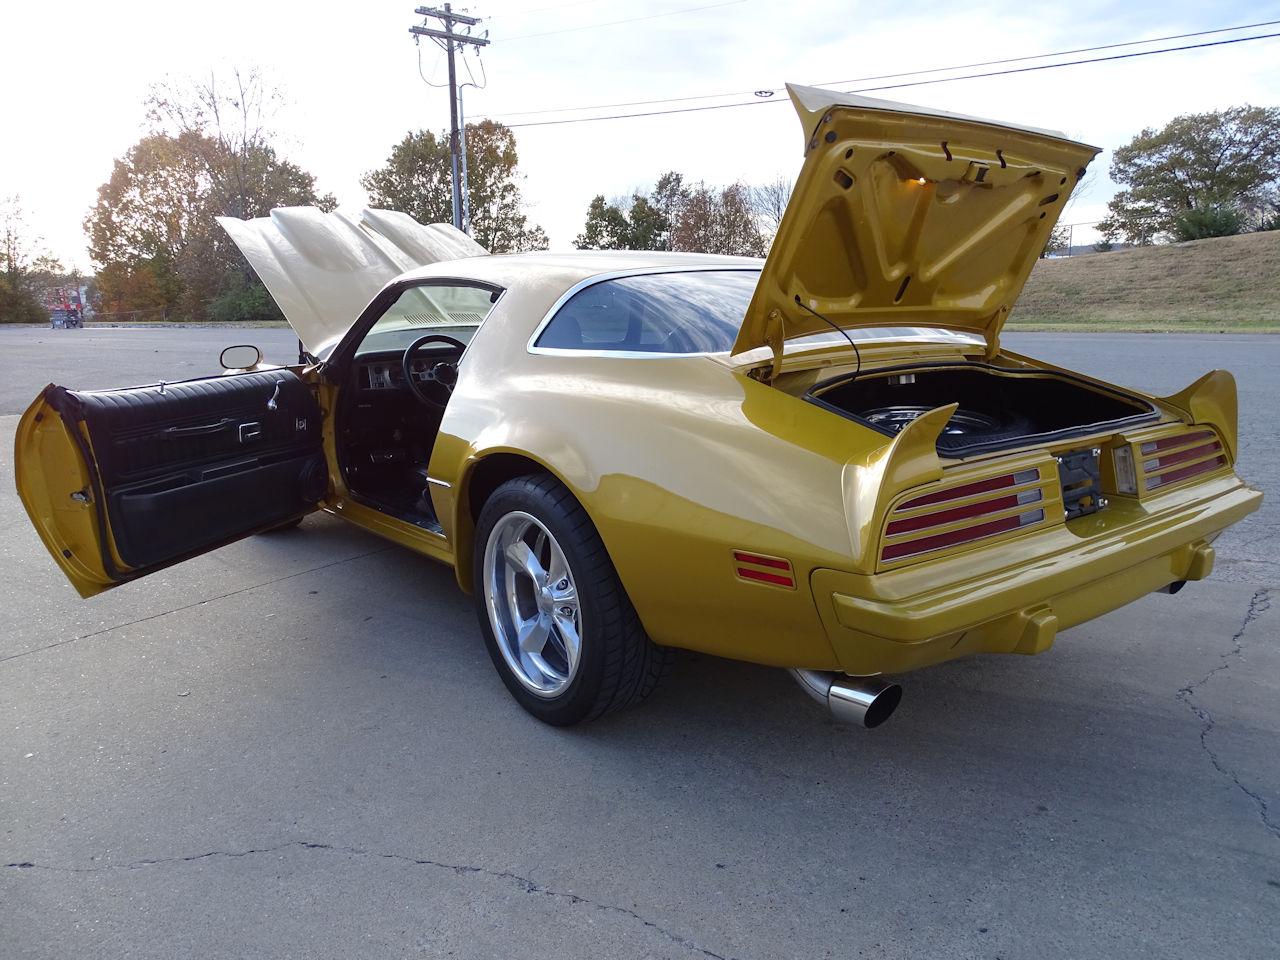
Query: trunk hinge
pixel 994 326
pixel 775 337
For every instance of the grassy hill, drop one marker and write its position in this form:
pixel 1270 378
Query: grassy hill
pixel 1229 285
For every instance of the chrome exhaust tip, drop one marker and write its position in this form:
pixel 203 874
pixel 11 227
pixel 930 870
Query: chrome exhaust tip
pixel 865 701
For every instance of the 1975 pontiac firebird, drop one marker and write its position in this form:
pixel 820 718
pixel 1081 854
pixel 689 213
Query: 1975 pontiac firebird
pixel 823 461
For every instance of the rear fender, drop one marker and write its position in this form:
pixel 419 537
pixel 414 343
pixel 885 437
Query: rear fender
pixel 1210 401
pixel 872 483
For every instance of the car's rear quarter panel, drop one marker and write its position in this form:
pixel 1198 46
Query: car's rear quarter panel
pixel 679 462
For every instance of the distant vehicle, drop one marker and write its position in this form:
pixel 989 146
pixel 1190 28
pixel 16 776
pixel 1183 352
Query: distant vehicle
pixel 65 317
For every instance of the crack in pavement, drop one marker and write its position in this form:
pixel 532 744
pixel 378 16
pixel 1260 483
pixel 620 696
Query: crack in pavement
pixel 1259 604
pixel 188 606
pixel 459 869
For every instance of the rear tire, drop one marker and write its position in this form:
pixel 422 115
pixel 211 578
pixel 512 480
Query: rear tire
pixel 556 621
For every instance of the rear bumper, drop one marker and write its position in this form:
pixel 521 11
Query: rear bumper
pixel 1015 596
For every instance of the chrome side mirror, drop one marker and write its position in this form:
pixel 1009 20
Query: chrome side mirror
pixel 240 357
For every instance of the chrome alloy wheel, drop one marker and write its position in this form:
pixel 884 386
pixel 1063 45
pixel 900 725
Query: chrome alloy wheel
pixel 533 604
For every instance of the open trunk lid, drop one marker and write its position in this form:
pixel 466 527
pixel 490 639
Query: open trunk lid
pixel 322 269
pixel 907 217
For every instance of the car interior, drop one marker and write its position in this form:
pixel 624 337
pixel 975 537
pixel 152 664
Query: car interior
pixel 394 392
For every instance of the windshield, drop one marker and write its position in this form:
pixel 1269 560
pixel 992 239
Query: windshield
pixel 453 309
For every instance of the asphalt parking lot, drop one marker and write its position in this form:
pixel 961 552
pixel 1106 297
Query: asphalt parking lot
pixel 296 747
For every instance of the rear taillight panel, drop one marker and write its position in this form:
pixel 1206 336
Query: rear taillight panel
pixel 1152 463
pixel 967 510
pixel 967 514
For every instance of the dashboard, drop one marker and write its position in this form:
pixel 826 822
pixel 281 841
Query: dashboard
pixel 383 373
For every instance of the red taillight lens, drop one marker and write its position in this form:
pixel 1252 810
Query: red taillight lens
pixel 1173 476
pixel 969 489
pixel 1199 451
pixel 981 512
pixel 937 519
pixel 1155 464
pixel 952 538
pixel 1166 443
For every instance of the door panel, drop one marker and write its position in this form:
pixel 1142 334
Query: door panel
pixel 172 470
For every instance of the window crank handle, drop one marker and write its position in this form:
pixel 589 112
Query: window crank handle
pixel 274 402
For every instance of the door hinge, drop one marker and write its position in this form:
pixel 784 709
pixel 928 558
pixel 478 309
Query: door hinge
pixel 82 496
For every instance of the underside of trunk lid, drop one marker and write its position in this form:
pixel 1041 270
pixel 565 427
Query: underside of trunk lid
pixel 906 217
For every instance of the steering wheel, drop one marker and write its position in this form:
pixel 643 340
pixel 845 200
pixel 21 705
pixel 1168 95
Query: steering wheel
pixel 436 386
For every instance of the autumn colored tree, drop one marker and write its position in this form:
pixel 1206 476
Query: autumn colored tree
pixel 674 216
pixel 1203 174
pixel 417 179
pixel 718 221
pixel 153 232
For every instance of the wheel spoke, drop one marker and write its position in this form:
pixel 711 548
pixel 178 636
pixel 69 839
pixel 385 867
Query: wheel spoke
pixel 533 633
pixel 557 568
pixel 567 631
pixel 522 558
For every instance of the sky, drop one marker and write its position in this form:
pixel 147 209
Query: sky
pixel 76 75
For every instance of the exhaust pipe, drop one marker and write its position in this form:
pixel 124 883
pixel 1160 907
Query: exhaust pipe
pixel 866 701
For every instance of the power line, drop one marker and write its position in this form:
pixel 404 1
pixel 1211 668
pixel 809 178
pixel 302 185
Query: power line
pixel 892 76
pixel 614 23
pixel 898 86
pixel 438 86
pixel 489 18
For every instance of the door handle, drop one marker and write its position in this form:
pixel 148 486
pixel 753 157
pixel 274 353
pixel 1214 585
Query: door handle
pixel 176 433
pixel 250 431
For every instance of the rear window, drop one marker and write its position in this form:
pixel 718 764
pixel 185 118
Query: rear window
pixel 688 312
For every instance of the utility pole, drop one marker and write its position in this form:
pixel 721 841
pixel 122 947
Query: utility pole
pixel 462 149
pixel 452 41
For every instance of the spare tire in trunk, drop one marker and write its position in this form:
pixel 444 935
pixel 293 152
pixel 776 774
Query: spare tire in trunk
pixel 998 406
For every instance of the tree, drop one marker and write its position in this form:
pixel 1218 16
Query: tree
pixel 770 203
pixel 644 227
pixel 1059 240
pixel 225 123
pixel 417 180
pixel 607 227
pixel 723 222
pixel 24 264
pixel 1219 220
pixel 677 217
pixel 152 231
pixel 1225 160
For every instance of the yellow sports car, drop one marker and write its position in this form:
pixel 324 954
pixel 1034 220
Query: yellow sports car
pixel 823 461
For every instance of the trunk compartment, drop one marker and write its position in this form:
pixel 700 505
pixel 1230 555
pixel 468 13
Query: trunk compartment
pixel 999 407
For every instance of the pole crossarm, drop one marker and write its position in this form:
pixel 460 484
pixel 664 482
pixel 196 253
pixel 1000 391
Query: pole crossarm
pixel 455 37
pixel 446 15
